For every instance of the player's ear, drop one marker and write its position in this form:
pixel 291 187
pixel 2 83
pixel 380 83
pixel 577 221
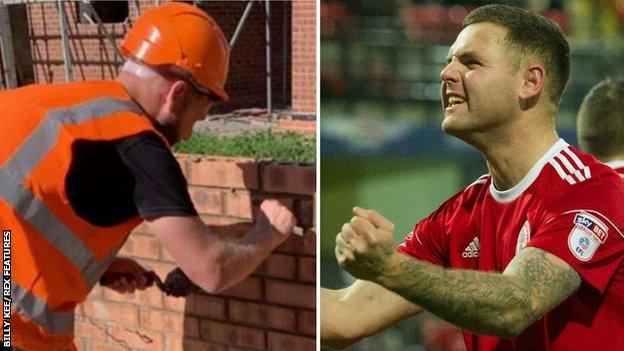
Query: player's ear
pixel 533 80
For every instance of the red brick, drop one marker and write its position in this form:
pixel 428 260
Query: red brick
pixel 286 342
pixel 300 245
pixel 250 288
pixel 191 327
pixel 207 201
pixel 306 322
pixel 95 345
pixel 289 178
pixel 88 328
pixel 303 40
pixel 291 294
pixel 198 345
pixel 232 335
pixel 81 343
pixel 238 204
pixel 151 296
pixel 174 342
pixel 309 242
pixel 97 292
pixel 112 311
pixel 285 125
pixel 305 217
pixel 202 305
pixel 281 266
pixel 307 269
pixel 161 321
pixel 220 221
pixel 224 172
pixel 262 315
pixel 183 162
pixel 294 244
pixel 175 304
pixel 141 246
pixel 137 339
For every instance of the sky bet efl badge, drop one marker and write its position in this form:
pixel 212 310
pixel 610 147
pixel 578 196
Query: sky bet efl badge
pixel 586 236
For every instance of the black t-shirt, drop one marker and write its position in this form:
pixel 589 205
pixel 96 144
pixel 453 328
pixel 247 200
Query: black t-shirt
pixel 110 182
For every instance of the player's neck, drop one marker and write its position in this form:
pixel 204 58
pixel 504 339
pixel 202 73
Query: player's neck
pixel 511 157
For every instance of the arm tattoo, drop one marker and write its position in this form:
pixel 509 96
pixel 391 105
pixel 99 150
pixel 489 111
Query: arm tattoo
pixel 486 302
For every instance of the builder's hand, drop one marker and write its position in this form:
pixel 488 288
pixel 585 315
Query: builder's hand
pixel 125 275
pixel 276 218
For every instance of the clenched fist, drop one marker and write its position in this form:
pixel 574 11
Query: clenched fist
pixel 364 245
pixel 275 217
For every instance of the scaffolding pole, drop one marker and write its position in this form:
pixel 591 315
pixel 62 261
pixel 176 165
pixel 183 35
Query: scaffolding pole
pixel 241 23
pixel 67 59
pixel 6 48
pixel 267 26
pixel 285 41
pixel 102 29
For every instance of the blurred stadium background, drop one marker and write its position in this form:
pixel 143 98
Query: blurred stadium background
pixel 381 142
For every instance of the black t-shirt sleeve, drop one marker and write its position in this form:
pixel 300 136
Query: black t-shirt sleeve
pixel 160 187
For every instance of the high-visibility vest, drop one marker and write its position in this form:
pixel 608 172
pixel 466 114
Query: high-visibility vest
pixel 57 257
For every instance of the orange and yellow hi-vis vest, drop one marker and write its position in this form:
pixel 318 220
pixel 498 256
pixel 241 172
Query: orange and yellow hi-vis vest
pixel 57 257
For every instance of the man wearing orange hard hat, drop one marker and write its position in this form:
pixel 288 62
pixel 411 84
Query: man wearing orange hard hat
pixel 84 163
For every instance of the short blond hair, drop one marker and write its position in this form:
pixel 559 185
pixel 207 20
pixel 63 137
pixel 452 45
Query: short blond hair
pixel 600 121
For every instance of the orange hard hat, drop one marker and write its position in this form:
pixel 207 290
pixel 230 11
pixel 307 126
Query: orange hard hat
pixel 183 36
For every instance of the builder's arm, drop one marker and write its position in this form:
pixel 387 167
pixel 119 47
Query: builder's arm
pixel 215 264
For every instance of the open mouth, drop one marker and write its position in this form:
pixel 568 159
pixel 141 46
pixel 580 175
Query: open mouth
pixel 454 100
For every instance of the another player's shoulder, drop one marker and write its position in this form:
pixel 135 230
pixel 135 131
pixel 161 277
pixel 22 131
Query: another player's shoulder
pixel 581 182
pixel 573 169
pixel 617 165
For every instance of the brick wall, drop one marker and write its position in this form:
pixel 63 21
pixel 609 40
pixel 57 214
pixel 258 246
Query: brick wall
pixel 304 56
pixel 93 56
pixel 292 125
pixel 273 309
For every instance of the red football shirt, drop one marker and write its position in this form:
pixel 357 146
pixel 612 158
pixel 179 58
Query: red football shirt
pixel 569 205
pixel 618 166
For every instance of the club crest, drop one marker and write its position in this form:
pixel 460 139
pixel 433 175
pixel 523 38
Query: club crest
pixel 524 236
pixel 586 236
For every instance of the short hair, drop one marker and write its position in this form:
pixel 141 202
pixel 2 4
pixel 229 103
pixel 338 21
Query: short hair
pixel 600 121
pixel 166 72
pixel 529 34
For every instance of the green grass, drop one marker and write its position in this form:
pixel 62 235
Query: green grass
pixel 292 147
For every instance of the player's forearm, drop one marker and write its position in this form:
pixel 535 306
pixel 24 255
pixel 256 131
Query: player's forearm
pixel 231 261
pixel 335 333
pixel 483 303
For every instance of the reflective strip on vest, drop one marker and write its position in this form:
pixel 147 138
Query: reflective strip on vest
pixel 37 310
pixel 34 211
pixel 41 141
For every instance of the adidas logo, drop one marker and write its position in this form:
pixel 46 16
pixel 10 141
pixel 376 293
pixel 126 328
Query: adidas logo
pixel 472 250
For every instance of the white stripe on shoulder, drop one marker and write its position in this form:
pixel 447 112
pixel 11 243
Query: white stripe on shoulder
pixel 615 164
pixel 570 169
pixel 579 164
pixel 481 180
pixel 563 161
pixel 560 171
